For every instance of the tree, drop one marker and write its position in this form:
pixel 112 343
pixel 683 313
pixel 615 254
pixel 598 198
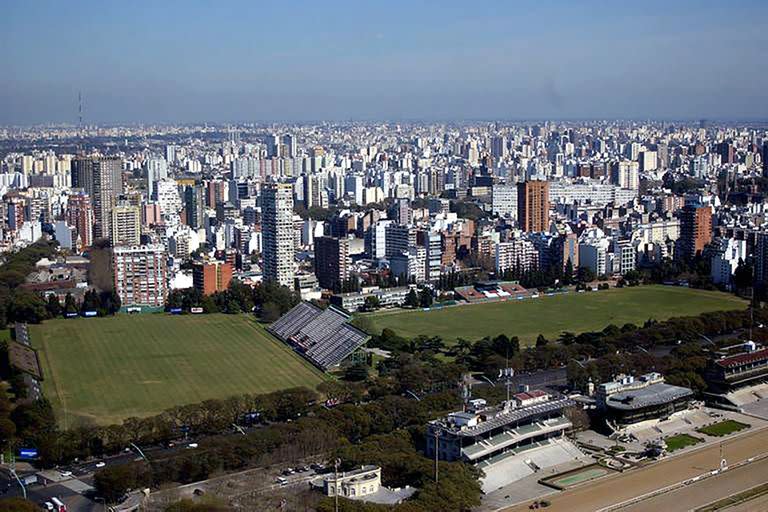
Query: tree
pixel 356 372
pixel 585 275
pixel 371 303
pixel 53 306
pixel 17 505
pixel 114 481
pixel 27 306
pixel 109 303
pixel 568 273
pixel 412 299
pixel 425 298
pixel 541 341
pixel 270 312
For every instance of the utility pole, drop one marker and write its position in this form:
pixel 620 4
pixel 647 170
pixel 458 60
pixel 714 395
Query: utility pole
pixel 438 433
pixel 336 477
pixel 506 374
pixel 16 476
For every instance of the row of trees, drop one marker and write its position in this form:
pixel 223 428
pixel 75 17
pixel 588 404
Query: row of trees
pixel 268 300
pixel 349 431
pixel 612 350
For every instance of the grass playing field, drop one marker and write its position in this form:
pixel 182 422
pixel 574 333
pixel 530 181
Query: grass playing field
pixel 550 316
pixel 103 370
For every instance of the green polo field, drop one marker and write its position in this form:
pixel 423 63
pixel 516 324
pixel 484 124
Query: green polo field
pixel 550 316
pixel 102 370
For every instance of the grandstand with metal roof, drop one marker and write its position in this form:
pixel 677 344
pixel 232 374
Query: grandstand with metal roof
pixel 323 336
pixel 484 435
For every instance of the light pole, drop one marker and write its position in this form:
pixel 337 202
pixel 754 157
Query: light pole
pixel 437 434
pixel 336 478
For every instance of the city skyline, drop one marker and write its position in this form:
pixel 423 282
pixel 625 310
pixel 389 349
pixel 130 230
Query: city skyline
pixel 196 62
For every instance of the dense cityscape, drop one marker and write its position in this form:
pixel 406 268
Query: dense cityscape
pixel 383 257
pixel 313 228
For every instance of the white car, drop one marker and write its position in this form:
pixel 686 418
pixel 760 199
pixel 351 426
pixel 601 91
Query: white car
pixel 66 474
pixel 192 445
pixel 100 464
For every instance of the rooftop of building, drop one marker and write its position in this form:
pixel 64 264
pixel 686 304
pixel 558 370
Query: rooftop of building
pixel 756 356
pixel 490 418
pixel 654 394
pixel 362 473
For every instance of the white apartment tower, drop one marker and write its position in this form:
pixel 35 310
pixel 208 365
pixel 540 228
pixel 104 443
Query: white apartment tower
pixel 277 233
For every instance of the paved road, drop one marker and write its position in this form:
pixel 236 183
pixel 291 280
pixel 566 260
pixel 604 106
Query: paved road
pixel 619 488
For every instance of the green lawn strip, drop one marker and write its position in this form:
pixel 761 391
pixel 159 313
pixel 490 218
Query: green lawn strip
pixel 681 441
pixel 723 428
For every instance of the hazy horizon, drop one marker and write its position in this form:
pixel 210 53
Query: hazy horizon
pixel 195 62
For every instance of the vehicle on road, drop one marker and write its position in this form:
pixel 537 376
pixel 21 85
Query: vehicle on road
pixel 192 445
pixel 58 505
pixel 100 464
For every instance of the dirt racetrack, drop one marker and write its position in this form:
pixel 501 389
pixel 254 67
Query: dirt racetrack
pixel 619 488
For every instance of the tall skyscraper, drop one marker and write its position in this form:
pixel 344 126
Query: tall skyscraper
pixel 277 233
pixel 194 205
pixel 102 180
pixel 156 169
pixel 273 146
pixel 289 141
pixel 331 267
pixel 80 216
pixel 695 230
pixel 765 159
pixel 126 225
pixel 533 206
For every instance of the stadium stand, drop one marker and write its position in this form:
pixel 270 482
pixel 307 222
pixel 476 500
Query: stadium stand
pixel 322 336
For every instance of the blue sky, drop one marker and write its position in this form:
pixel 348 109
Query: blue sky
pixel 168 61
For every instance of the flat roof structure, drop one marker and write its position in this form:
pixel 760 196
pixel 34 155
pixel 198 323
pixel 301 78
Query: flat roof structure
pixel 505 418
pixel 654 394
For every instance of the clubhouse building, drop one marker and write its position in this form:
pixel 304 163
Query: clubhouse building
pixel 628 400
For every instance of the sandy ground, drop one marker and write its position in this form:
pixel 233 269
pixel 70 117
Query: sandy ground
pixel 760 503
pixel 708 491
pixel 621 487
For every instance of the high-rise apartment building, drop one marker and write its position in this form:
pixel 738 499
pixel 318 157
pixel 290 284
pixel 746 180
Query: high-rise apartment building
pixel 126 225
pixel 399 239
pixel 277 233
pixel 209 277
pixel 331 261
pixel 102 180
pixel 79 215
pixel 533 206
pixel 504 200
pixel 194 206
pixel 765 159
pixel 695 230
pixel 141 275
